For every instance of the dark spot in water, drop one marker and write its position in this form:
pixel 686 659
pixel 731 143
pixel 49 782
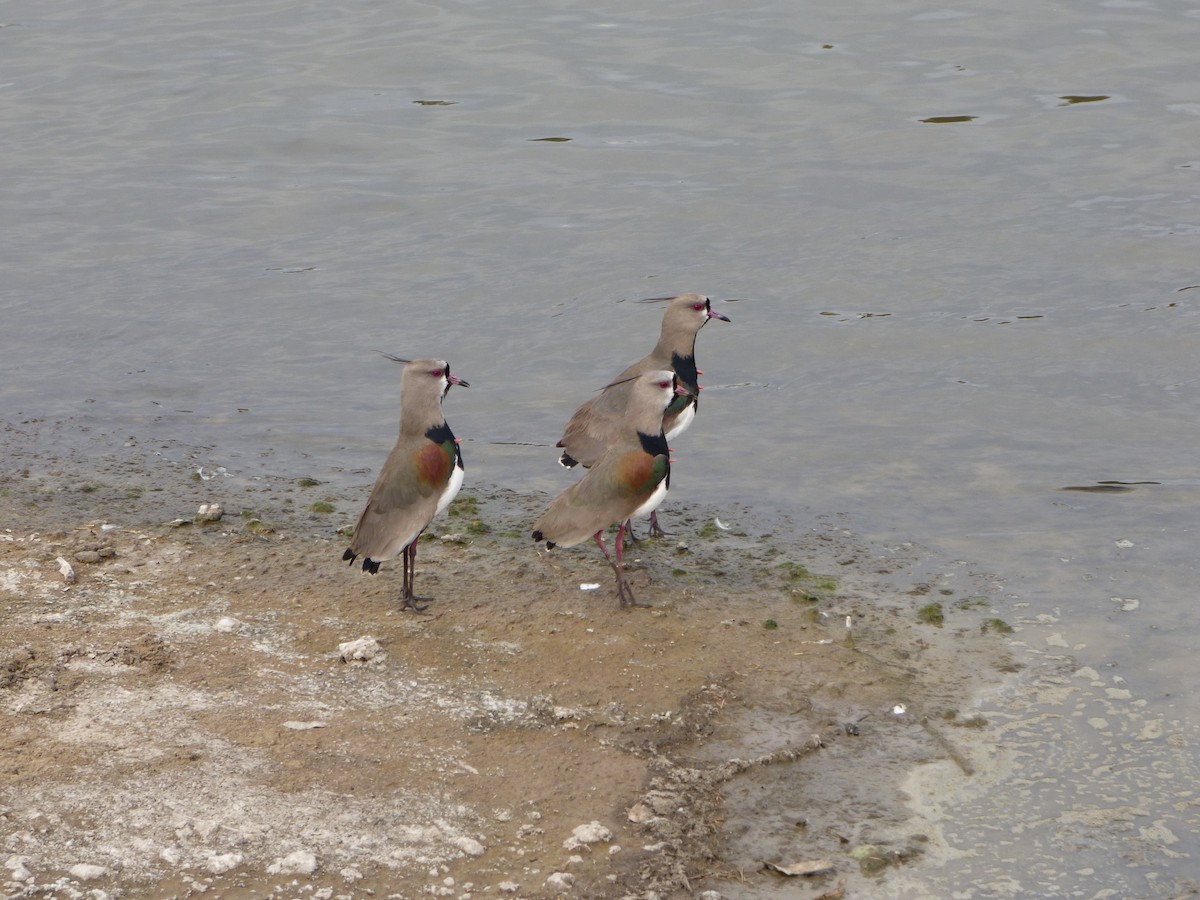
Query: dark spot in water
pixel 550 140
pixel 1072 99
pixel 1107 487
pixel 436 102
pixel 948 120
pixel 1190 287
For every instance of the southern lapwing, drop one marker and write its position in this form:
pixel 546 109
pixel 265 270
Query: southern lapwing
pixel 597 423
pixel 421 476
pixel 628 480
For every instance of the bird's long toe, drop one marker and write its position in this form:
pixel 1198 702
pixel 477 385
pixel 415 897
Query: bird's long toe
pixel 625 595
pixel 414 604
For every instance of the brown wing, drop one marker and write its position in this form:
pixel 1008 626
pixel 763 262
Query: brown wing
pixel 403 500
pixel 611 490
pixel 596 425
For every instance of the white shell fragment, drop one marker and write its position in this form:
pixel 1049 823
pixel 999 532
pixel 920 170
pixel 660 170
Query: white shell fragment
pixel 64 569
pixel 720 524
pixel 807 867
pixel 583 835
pixel 361 650
pixel 227 624
pixel 561 882
pixel 470 846
pixel 87 871
pixel 220 863
pixel 589 586
pixel 899 709
pixel 299 862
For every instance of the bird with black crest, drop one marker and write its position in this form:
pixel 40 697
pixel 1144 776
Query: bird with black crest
pixel 629 479
pixel 421 476
pixel 601 421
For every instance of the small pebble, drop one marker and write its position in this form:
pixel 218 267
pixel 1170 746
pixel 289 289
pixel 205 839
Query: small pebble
pixel 65 570
pixel 470 846
pixel 298 862
pixel 17 868
pixel 361 650
pixel 87 872
pixel 209 512
pixel 561 881
pixel 583 835
pixel 220 863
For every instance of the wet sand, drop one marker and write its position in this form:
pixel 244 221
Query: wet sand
pixel 183 717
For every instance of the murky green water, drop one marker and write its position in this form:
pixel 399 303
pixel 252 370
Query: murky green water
pixel 964 242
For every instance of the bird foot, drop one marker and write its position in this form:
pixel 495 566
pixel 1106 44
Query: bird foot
pixel 655 531
pixel 411 603
pixel 625 595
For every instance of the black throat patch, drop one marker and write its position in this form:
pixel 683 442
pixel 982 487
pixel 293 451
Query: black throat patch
pixel 685 368
pixel 655 445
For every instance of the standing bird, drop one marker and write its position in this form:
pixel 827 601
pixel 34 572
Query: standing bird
pixel 600 421
pixel 630 479
pixel 421 476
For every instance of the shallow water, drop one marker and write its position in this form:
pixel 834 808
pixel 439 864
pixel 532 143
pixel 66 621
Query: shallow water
pixel 216 212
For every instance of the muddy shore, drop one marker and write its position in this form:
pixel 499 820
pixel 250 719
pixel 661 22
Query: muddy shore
pixel 225 708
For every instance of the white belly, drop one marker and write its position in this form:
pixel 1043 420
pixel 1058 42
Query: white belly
pixel 652 503
pixel 683 422
pixel 456 480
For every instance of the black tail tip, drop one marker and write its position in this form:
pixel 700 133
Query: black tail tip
pixel 567 461
pixel 349 556
pixel 537 536
pixel 369 565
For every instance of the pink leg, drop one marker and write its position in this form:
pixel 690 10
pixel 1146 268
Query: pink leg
pixel 599 537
